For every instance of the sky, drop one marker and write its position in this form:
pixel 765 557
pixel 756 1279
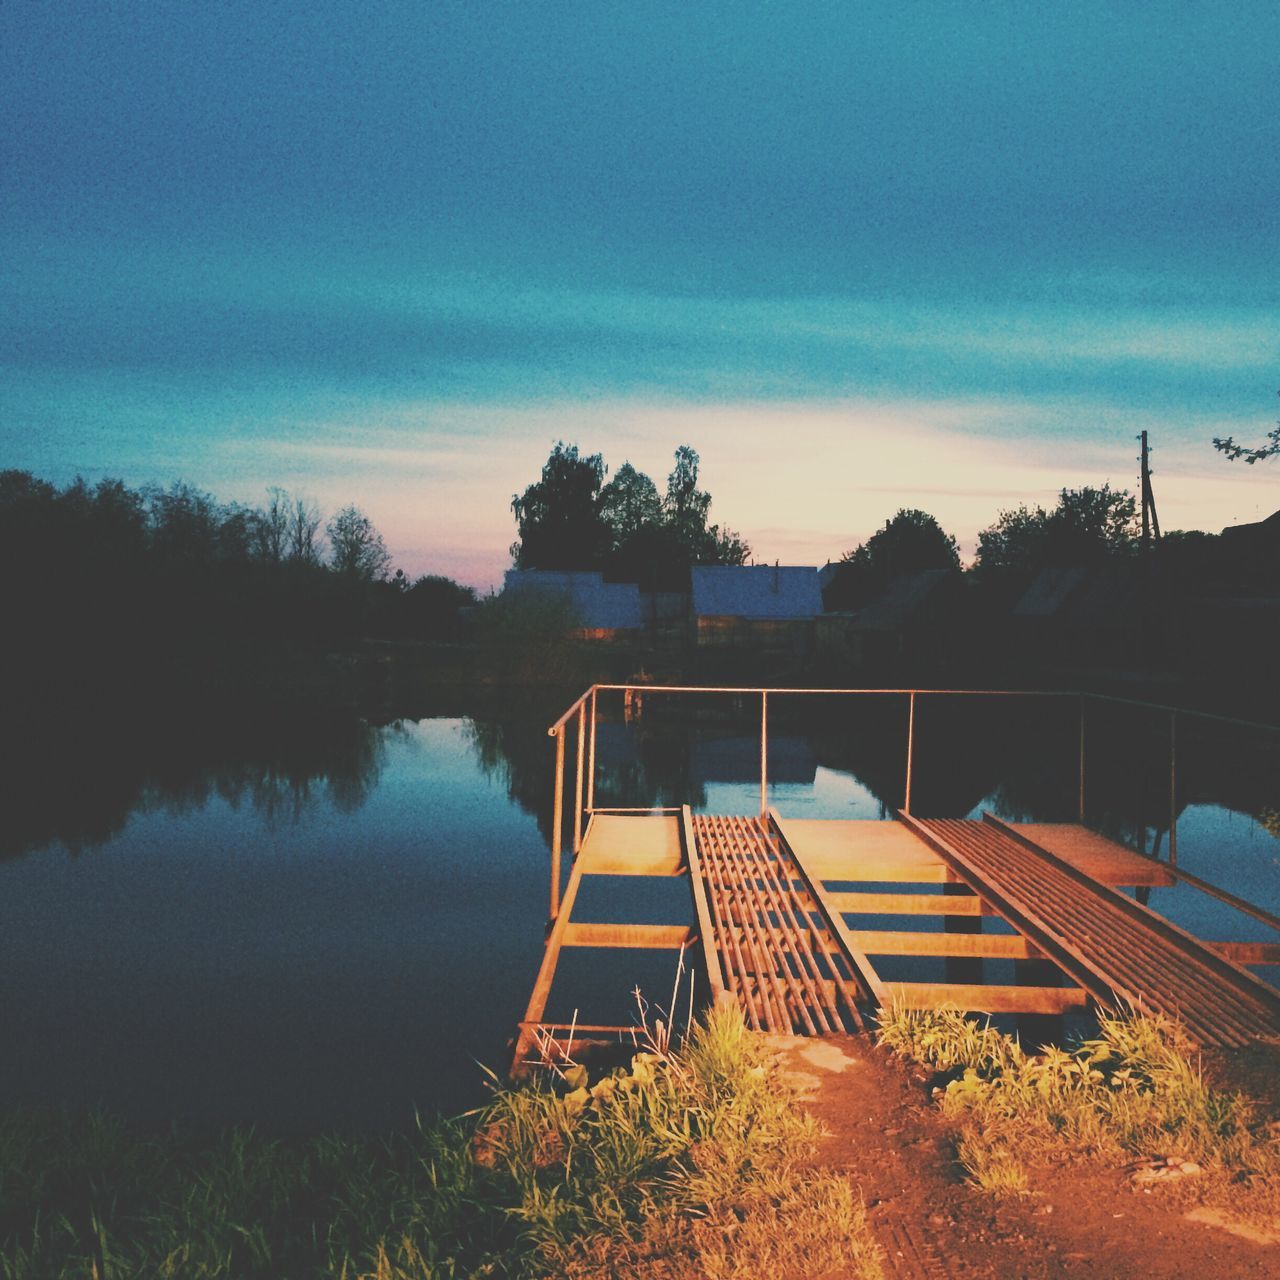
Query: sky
pixel 860 256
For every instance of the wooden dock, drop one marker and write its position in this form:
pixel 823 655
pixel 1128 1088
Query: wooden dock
pixel 794 918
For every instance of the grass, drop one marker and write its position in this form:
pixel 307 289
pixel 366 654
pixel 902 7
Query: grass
pixel 1134 1091
pixel 685 1164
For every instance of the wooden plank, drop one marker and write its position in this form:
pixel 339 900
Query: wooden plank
pixel 633 845
pixel 1239 998
pixel 698 889
pixel 1248 952
pixel 658 936
pixel 908 904
pixel 1097 856
pixel 889 942
pixel 546 971
pixel 984 999
pixel 868 978
pixel 864 850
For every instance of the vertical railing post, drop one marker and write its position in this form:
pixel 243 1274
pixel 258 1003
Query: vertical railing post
pixel 577 786
pixel 557 822
pixel 1082 759
pixel 911 747
pixel 764 753
pixel 591 757
pixel 1173 788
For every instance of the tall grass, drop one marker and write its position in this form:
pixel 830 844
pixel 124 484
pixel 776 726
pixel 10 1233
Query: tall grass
pixel 572 1178
pixel 1133 1091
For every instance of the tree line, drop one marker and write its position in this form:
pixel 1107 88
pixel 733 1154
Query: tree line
pixel 105 578
pixel 1084 528
pixel 572 519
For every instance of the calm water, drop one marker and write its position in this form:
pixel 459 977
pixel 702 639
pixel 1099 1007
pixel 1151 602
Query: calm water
pixel 308 925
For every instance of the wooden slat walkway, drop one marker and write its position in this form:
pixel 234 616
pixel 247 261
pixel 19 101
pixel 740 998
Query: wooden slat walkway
pixel 770 923
pixel 786 960
pixel 1118 950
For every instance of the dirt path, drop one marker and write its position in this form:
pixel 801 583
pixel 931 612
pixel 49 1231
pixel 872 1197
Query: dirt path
pixel 1083 1220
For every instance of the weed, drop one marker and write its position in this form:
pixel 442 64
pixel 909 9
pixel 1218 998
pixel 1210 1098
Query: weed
pixel 1134 1090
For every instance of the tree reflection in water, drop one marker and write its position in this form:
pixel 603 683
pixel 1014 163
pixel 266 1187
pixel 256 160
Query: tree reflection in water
pixel 77 781
pixel 1019 757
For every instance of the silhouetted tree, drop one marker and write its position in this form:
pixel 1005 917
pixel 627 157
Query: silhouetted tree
pixel 628 504
pixel 1087 526
pixel 559 518
pixel 271 527
pixel 358 551
pixel 685 511
pixel 304 524
pixel 433 605
pixel 911 542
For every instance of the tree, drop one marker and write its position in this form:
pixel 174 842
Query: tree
pixel 628 504
pixel 358 550
pixel 723 546
pixel 271 527
pixel 1014 542
pixel 304 524
pixel 685 511
pixel 559 518
pixel 912 542
pixel 1090 524
pixel 1087 526
pixel 1236 451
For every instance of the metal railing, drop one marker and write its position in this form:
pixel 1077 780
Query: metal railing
pixel 583 715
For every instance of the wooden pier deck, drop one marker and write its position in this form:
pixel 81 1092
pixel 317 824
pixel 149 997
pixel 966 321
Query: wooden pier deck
pixel 802 920
pixel 778 929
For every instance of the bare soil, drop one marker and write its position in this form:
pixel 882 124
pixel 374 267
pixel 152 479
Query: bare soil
pixel 1083 1218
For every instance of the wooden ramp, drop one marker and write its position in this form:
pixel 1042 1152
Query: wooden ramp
pixel 1120 952
pixel 782 952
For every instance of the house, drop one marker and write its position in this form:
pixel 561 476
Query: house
pixel 915 618
pixel 773 606
pixel 1102 613
pixel 603 610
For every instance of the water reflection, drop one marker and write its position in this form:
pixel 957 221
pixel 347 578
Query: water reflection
pixel 1020 757
pixel 78 783
pixel 305 920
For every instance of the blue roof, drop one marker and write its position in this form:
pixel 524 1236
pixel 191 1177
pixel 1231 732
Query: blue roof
pixel 599 605
pixel 756 591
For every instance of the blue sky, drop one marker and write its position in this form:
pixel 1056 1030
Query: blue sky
pixel 860 256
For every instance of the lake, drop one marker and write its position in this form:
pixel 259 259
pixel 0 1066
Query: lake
pixel 316 922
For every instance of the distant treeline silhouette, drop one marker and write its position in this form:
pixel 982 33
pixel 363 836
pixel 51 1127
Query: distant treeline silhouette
pixel 106 582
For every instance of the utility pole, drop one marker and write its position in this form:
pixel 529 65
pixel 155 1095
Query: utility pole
pixel 1150 521
pixel 1148 626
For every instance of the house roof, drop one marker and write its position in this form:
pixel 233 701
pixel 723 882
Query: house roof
pixel 757 591
pixel 905 598
pixel 1106 595
pixel 1048 593
pixel 1270 527
pixel 599 605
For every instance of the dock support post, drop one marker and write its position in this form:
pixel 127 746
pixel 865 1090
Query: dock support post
pixel 557 823
pixel 577 786
pixel 1173 788
pixel 1082 759
pixel 911 747
pixel 764 753
pixel 591 757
